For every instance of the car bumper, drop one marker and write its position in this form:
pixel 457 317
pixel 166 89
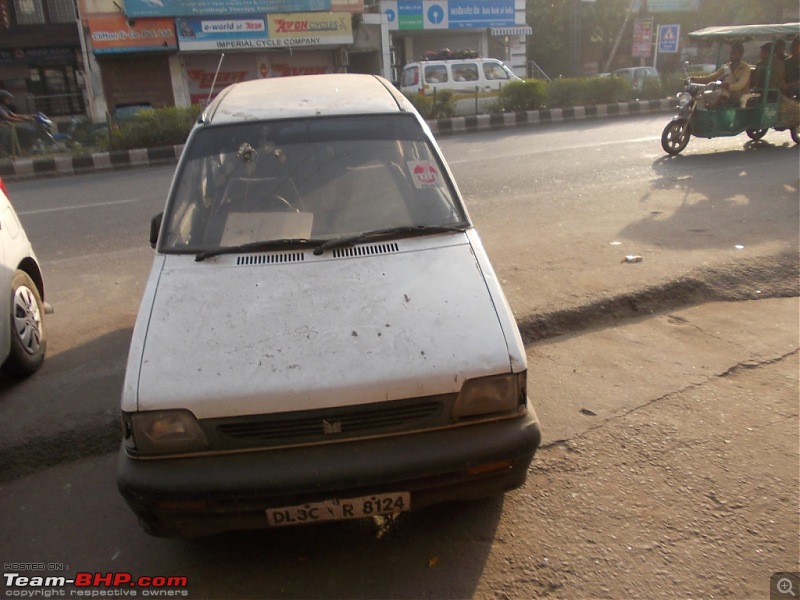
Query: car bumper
pixel 210 494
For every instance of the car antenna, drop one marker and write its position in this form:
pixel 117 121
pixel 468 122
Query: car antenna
pixel 213 83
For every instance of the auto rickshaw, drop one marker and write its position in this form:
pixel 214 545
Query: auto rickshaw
pixel 758 111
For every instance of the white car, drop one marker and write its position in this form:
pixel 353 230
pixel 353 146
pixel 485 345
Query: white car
pixel 22 308
pixel 321 335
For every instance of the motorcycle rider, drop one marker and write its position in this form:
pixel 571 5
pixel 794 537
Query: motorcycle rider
pixel 6 114
pixel 735 77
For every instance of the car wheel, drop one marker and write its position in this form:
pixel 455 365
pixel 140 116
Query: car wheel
pixel 756 134
pixel 675 136
pixel 28 341
pixel 795 131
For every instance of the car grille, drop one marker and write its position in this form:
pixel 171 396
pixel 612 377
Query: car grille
pixel 319 426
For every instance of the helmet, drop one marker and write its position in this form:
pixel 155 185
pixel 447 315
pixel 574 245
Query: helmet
pixel 6 94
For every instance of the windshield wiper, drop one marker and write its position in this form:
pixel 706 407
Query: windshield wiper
pixel 391 232
pixel 255 246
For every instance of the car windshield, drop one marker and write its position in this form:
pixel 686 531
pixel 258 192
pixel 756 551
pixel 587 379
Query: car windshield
pixel 306 179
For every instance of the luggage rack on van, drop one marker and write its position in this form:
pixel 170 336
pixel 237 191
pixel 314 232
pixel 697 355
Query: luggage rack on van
pixel 447 54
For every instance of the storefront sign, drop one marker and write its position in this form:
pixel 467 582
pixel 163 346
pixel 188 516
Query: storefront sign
pixel 257 32
pixel 188 8
pixel 37 55
pixel 309 29
pixel 114 33
pixel 210 33
pixel 452 14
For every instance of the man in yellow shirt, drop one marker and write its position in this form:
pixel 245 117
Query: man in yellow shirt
pixel 735 77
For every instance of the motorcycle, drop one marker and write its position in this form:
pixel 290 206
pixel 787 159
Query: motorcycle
pixel 47 142
pixel 700 114
pixel 676 134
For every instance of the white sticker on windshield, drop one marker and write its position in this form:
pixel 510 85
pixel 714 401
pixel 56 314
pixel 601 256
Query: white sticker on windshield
pixel 425 174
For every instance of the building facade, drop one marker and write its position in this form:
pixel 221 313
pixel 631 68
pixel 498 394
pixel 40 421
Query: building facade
pixel 113 53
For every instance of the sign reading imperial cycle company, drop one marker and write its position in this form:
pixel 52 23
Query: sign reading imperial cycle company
pixel 259 32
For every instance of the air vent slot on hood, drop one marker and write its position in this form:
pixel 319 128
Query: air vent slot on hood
pixel 366 250
pixel 270 259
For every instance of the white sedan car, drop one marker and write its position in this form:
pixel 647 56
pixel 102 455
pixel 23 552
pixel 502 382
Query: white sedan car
pixel 22 308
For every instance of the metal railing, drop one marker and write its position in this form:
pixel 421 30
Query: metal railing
pixel 56 105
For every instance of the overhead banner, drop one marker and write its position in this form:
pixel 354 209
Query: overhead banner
pixel 110 34
pixel 262 32
pixel 453 14
pixel 189 8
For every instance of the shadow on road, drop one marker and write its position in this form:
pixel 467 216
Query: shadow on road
pixel 729 210
pixel 439 552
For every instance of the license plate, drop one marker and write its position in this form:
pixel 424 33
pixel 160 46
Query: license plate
pixel 339 509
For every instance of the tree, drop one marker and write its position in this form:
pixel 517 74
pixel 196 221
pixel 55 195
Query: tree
pixel 600 22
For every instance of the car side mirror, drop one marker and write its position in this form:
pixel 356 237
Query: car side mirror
pixel 155 227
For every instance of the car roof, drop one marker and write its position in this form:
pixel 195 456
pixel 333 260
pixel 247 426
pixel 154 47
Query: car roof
pixel 305 96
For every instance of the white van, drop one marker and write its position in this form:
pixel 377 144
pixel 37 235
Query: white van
pixel 462 76
pixel 322 335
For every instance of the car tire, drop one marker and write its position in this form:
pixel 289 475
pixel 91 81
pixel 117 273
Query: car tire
pixel 795 132
pixel 28 341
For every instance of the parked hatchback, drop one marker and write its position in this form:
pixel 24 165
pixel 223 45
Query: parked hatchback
pixel 22 334
pixel 321 336
pixel 637 76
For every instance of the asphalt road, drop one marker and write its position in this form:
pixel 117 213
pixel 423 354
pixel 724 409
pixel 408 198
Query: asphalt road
pixel 558 208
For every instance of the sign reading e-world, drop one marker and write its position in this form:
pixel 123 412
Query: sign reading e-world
pixel 259 32
pixel 452 14
pixel 188 8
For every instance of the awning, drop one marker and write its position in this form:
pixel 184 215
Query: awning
pixel 518 30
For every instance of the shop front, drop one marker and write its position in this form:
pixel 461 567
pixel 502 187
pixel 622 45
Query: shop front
pixel 491 28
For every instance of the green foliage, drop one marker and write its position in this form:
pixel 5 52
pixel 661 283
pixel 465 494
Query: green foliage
pixel 563 93
pixel 607 90
pixel 528 94
pixel 651 89
pixel 160 127
pixel 439 106
pixel 672 83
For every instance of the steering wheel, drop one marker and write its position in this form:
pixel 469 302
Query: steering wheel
pixel 282 203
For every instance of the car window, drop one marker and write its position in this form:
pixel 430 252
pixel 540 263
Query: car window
pixel 465 71
pixel 306 178
pixel 436 74
pixel 494 71
pixel 410 76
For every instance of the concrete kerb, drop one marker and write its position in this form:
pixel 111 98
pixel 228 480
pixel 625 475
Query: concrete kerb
pixel 120 159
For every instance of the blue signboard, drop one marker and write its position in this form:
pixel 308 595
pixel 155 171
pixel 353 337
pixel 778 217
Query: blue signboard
pixel 452 14
pixel 195 33
pixel 189 8
pixel 476 14
pixel 668 36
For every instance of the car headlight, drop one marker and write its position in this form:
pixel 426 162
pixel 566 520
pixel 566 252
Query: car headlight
pixel 163 432
pixel 491 395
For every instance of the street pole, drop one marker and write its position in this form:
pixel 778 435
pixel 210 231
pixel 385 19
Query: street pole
pixel 628 14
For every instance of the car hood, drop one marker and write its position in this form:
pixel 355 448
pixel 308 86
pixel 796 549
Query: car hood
pixel 225 339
